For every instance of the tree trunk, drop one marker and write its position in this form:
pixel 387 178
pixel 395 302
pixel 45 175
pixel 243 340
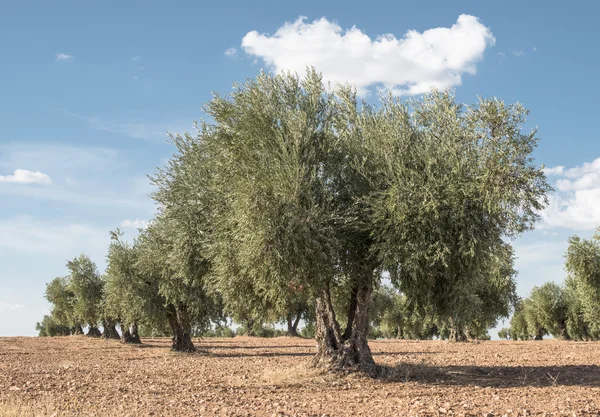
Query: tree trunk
pixel 110 331
pixel 400 334
pixel 126 335
pixel 93 331
pixel 457 333
pixel 250 327
pixel 564 335
pixel 335 353
pixel 178 320
pixel 351 312
pixel 291 331
pixel 296 322
pixel 135 335
pixel 538 335
pixel 77 330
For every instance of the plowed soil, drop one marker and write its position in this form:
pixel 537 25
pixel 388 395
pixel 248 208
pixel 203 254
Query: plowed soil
pixel 270 377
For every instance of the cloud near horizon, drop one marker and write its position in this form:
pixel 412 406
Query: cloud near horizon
pixel 23 176
pixel 409 65
pixel 576 204
pixel 135 224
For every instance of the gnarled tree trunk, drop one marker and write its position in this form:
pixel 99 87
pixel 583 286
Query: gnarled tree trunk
pixel 93 331
pixel 333 350
pixel 292 324
pixel 457 332
pixel 77 330
pixel 130 334
pixel 135 334
pixel 178 320
pixel 110 331
pixel 250 327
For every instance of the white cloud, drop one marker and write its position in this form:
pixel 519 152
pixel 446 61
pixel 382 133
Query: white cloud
pixel 135 224
pixel 135 58
pixel 557 170
pixel 8 307
pixel 23 176
pixel 230 52
pixel 412 64
pixel 534 49
pixel 64 57
pixel 518 52
pixel 576 205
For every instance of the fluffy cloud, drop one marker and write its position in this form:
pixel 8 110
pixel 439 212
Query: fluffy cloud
pixel 23 176
pixel 412 64
pixel 576 205
pixel 558 170
pixel 135 224
pixel 230 51
pixel 64 57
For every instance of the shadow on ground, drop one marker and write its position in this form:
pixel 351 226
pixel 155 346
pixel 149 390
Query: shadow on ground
pixel 494 376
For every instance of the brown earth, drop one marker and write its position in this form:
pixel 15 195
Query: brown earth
pixel 269 377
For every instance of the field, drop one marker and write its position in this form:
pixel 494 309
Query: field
pixel 252 376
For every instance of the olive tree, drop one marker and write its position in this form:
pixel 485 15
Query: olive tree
pixel 87 286
pixel 548 306
pixel 296 185
pixel 62 298
pixel 583 266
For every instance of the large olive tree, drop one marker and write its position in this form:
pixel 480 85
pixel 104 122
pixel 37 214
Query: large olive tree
pixel 297 186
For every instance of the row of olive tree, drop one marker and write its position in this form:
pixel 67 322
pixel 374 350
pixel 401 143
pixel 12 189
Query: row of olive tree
pixel 570 311
pixel 300 194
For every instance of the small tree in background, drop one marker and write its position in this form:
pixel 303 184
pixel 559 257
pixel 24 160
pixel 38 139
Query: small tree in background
pixel 49 326
pixel 583 266
pixel 87 286
pixel 547 309
pixel 62 298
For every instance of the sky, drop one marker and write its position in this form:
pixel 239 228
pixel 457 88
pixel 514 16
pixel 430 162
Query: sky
pixel 89 90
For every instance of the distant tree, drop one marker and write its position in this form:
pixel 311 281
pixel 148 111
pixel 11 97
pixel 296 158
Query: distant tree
pixel 504 333
pixel 62 298
pixel 87 286
pixel 131 296
pixel 518 329
pixel 173 263
pixel 583 266
pixel 534 326
pixel 548 307
pixel 578 327
pixel 50 327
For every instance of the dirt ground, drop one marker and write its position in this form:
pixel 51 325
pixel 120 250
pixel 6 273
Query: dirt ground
pixel 269 377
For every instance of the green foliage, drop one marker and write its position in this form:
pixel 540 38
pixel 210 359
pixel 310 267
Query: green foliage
pixel 299 191
pixel 583 265
pixel 547 308
pixel 504 334
pixel 132 295
pixel 87 287
pixel 444 245
pixel 62 298
pixel 49 326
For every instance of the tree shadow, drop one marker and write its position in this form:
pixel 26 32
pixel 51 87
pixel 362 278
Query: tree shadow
pixel 253 347
pixel 265 354
pixel 493 376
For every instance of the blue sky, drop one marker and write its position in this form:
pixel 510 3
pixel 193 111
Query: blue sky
pixel 88 91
